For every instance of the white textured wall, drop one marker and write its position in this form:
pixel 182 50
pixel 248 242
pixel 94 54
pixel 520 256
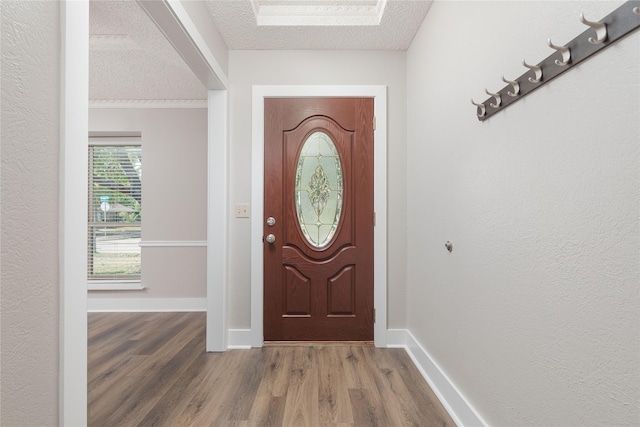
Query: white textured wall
pixel 29 244
pixel 247 68
pixel 174 201
pixel 535 314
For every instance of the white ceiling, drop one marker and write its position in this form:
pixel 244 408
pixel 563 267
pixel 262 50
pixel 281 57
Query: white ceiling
pixel 131 60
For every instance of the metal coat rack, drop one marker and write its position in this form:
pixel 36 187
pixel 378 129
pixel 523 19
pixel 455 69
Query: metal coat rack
pixel 598 36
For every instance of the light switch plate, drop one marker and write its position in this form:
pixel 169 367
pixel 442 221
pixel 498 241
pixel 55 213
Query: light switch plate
pixel 242 210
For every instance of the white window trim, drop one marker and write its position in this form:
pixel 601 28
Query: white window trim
pixel 113 138
pixel 115 285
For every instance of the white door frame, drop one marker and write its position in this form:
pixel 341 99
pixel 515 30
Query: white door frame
pixel 379 93
pixel 74 131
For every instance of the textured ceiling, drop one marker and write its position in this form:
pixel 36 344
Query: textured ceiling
pixel 236 22
pixel 130 59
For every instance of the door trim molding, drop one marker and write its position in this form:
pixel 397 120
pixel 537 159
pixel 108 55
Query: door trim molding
pixel 217 220
pixel 74 129
pixel 379 94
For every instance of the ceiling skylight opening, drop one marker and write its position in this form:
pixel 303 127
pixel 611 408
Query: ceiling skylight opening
pixel 318 12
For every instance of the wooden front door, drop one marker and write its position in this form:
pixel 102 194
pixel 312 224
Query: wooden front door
pixel 318 219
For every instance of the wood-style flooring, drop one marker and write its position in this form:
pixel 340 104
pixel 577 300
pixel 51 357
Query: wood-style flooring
pixel 151 369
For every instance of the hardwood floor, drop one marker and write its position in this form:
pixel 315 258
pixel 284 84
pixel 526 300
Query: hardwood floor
pixel 150 369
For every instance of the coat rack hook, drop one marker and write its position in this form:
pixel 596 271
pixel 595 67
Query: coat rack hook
pixel 564 51
pixel 482 108
pixel 599 27
pixel 516 87
pixel 536 70
pixel 636 10
pixel 497 97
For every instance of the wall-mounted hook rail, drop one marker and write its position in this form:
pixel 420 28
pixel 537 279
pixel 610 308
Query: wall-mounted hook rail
pixel 565 52
pixel 608 30
pixel 537 72
pixel 482 110
pixel 516 87
pixel 599 27
pixel 498 99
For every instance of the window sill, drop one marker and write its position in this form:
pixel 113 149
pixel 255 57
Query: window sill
pixel 114 285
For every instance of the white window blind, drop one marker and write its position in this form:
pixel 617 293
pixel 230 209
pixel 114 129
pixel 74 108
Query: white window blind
pixel 115 208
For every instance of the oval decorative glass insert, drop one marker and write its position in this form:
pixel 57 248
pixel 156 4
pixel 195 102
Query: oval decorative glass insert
pixel 319 189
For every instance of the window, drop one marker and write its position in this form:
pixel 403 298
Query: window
pixel 115 202
pixel 319 189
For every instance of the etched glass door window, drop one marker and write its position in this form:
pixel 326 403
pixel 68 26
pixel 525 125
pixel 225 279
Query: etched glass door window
pixel 319 189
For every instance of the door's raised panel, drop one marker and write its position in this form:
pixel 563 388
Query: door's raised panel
pixel 297 293
pixel 341 292
pixel 309 268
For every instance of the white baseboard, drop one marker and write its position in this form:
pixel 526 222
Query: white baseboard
pixel 114 285
pixel 146 304
pixel 239 338
pixel 396 338
pixel 454 402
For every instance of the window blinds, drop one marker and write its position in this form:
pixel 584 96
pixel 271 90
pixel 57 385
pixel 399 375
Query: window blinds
pixel 115 208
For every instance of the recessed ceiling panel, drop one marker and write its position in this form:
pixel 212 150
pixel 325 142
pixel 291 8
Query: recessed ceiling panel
pixel 318 24
pixel 318 12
